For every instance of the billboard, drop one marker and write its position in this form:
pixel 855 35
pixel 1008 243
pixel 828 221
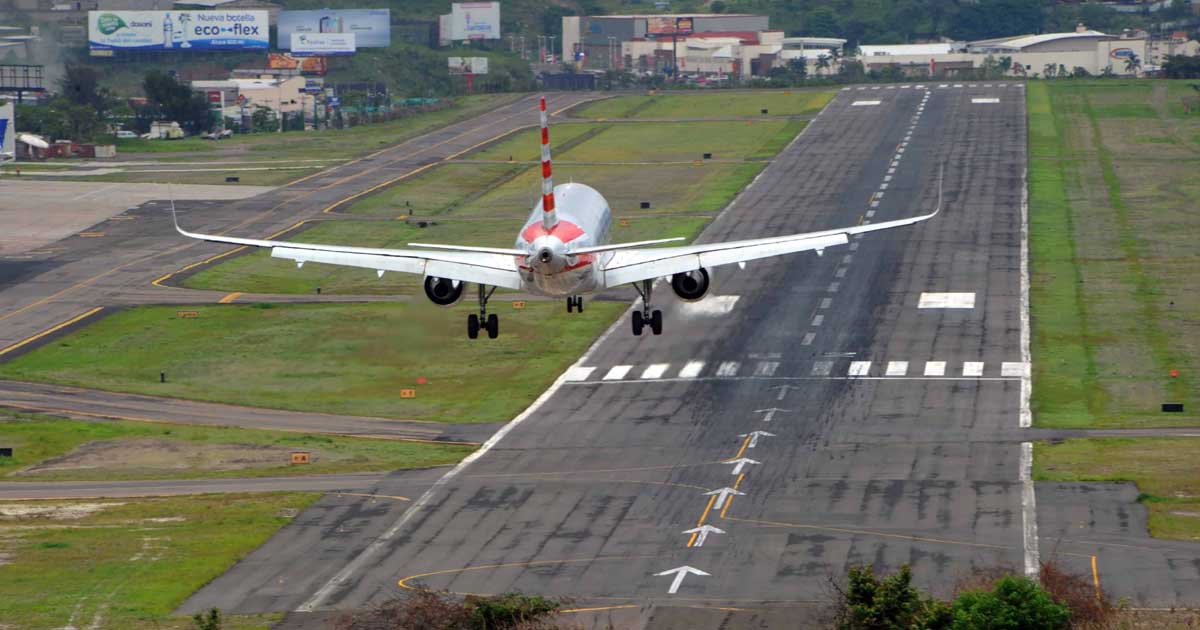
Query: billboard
pixel 178 30
pixel 306 65
pixel 322 44
pixel 474 20
pixel 8 131
pixel 668 26
pixel 372 28
pixel 468 65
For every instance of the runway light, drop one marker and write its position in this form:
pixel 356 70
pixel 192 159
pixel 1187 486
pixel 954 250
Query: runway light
pixel 1174 373
pixel 421 380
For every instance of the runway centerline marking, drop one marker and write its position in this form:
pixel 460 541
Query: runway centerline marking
pixel 946 300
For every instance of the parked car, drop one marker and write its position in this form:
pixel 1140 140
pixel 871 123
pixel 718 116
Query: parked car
pixel 126 134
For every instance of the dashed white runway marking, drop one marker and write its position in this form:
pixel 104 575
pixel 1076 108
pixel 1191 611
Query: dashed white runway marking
pixel 710 306
pixel 847 259
pixel 692 369
pixel 860 368
pixel 817 320
pixel 766 368
pixel 656 370
pixel 617 372
pixel 822 368
pixel 825 303
pixel 854 247
pixel 840 272
pixel 579 373
pixel 946 300
pixel 897 368
pixel 834 286
pixel 1016 369
pixel 728 368
pixel 985 100
pixel 864 103
pixel 808 339
pixel 972 368
pixel 870 214
pixel 935 368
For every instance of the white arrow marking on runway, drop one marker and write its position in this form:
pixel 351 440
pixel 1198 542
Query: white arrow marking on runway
pixel 740 463
pixel 723 495
pixel 783 390
pixel 770 413
pixel 680 573
pixel 703 531
pixel 754 435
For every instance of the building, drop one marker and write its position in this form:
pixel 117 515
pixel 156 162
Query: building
pixel 1030 55
pixel 598 42
pixel 238 97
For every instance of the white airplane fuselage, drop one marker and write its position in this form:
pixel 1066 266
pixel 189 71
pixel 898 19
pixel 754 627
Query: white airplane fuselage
pixel 584 220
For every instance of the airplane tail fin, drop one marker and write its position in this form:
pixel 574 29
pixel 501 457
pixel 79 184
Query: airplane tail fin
pixel 549 216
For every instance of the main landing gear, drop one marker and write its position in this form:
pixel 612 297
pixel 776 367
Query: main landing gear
pixel 575 303
pixel 646 317
pixel 490 323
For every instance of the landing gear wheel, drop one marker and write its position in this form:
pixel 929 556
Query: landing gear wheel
pixel 473 326
pixel 656 322
pixel 638 323
pixel 493 326
pixel 575 303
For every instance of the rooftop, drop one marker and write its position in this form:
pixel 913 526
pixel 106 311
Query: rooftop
pixel 1025 41
pixel 906 49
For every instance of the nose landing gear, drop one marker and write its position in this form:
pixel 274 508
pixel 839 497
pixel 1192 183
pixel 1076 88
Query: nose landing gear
pixel 646 317
pixel 490 323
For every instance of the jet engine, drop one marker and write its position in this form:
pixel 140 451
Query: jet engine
pixel 443 291
pixel 690 286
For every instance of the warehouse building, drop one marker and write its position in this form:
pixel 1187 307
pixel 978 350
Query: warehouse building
pixel 602 42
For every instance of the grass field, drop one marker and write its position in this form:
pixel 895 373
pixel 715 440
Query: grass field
pixel 117 564
pixel 55 449
pixel 331 358
pixel 1164 469
pixel 1114 300
pixel 720 104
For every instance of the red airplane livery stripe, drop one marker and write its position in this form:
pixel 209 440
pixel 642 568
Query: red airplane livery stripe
pixel 547 180
pixel 565 231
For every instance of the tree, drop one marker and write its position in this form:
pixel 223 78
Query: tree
pixel 171 100
pixel 1014 602
pixel 80 84
pixel 1132 63
pixel 891 603
pixel 822 62
pixel 719 7
pixel 1049 70
pixel 1006 64
pixel 1182 67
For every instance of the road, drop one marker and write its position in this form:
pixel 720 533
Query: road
pixel 849 424
pixel 359 483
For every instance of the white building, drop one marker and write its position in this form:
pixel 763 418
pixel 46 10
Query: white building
pixel 277 94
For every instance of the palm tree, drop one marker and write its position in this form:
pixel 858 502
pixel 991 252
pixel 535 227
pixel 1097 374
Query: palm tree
pixel 822 62
pixel 1132 63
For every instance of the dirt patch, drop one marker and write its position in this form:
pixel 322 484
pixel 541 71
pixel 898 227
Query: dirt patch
pixel 130 455
pixel 58 511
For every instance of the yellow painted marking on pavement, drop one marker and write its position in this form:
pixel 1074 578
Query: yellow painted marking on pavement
pixel 404 582
pixel 729 499
pixel 91 234
pixel 598 470
pixel 703 516
pixel 229 298
pixel 742 450
pixel 51 330
pixel 374 496
pixel 598 608
pixel 1096 579
pixel 158 282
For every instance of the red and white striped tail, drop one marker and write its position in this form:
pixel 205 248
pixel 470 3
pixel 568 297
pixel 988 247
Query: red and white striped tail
pixel 549 216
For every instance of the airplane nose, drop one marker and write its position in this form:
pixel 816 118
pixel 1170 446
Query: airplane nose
pixel 546 255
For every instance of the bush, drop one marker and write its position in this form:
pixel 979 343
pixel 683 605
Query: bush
pixel 1089 606
pixel 1015 603
pixel 892 603
pixel 432 610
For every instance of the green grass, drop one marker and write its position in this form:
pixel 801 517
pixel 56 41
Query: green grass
pixel 436 191
pixel 526 145
pixel 1113 287
pixel 132 562
pixel 720 104
pixel 329 358
pixel 1163 468
pixel 36 438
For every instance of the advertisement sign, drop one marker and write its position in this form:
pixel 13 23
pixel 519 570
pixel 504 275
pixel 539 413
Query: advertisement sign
pixel 323 44
pixel 1121 53
pixel 668 26
pixel 468 65
pixel 371 28
pixel 178 30
pixel 8 133
pixel 474 20
pixel 306 65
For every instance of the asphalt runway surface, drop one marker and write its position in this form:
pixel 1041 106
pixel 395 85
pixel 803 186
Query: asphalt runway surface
pixel 863 407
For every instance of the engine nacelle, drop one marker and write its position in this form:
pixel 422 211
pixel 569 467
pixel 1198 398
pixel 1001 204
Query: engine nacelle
pixel 443 292
pixel 690 286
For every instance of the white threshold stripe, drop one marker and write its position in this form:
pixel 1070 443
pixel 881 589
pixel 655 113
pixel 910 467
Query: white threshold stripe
pixel 935 368
pixel 860 368
pixel 728 368
pixel 946 300
pixel 784 379
pixel 897 368
pixel 579 373
pixel 655 371
pixel 617 372
pixel 972 368
pixel 692 369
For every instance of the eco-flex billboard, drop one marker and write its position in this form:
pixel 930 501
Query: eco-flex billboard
pixel 372 28
pixel 178 30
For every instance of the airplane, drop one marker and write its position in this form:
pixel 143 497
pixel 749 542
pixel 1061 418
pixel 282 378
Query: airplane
pixel 561 251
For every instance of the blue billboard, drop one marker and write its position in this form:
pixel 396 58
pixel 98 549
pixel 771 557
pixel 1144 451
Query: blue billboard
pixel 372 28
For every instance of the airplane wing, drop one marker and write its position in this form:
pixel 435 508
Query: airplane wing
pixel 629 266
pixel 484 267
